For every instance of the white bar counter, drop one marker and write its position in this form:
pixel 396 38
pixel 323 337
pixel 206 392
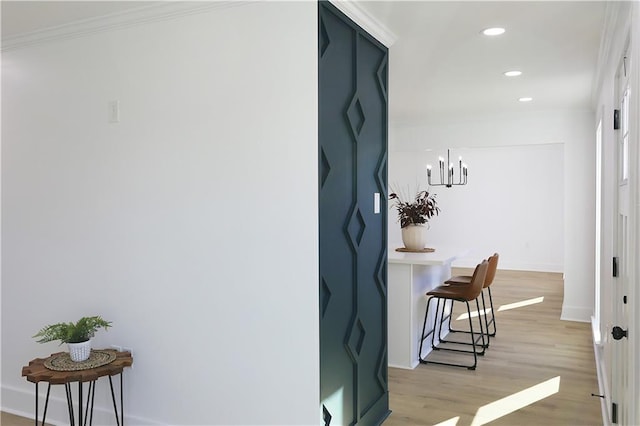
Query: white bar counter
pixel 410 277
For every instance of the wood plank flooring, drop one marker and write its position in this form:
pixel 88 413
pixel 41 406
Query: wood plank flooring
pixel 7 419
pixel 532 347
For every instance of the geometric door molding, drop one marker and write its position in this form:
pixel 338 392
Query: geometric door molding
pixel 352 135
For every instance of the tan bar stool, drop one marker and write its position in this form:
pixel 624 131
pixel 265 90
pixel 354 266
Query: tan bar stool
pixel 463 280
pixel 460 293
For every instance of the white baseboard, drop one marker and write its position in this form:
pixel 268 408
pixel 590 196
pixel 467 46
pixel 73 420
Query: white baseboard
pixel 576 313
pixel 513 266
pixel 22 403
pixel 601 371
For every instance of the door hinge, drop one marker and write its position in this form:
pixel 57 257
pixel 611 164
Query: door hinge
pixel 616 119
pixel 624 299
pixel 615 266
pixel 614 412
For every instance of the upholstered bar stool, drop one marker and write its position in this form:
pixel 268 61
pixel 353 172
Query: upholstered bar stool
pixel 462 293
pixel 463 280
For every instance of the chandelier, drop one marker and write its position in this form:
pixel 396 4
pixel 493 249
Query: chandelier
pixel 450 180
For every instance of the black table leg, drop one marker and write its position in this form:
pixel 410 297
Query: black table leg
pixel 89 408
pixel 121 400
pixel 36 403
pixel 67 387
pixel 113 398
pixel 119 418
pixel 46 405
pixel 79 403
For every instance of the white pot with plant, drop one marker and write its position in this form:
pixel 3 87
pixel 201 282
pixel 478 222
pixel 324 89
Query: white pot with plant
pixel 76 335
pixel 414 217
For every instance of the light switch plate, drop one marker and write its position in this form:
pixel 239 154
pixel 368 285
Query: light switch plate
pixel 114 112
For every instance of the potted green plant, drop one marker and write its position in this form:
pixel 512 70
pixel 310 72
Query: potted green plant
pixel 413 215
pixel 76 335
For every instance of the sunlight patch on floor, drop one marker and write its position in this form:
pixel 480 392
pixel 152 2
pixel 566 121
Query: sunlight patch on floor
pixel 507 307
pixel 451 422
pixel 521 304
pixel 474 314
pixel 502 407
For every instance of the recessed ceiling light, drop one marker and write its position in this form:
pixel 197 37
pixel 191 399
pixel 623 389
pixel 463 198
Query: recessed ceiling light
pixel 525 99
pixel 493 31
pixel 513 73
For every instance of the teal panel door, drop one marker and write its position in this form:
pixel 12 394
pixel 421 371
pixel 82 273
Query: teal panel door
pixel 353 234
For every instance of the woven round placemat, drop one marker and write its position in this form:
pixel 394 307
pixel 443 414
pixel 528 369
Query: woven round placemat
pixel 424 250
pixel 62 362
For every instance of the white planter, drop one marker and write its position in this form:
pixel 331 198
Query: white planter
pixel 80 351
pixel 414 237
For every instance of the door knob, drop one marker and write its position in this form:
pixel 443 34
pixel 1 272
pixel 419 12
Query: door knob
pixel 618 333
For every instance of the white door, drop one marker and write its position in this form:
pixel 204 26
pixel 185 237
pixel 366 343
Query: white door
pixel 623 252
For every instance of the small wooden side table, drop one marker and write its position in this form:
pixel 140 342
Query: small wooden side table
pixel 37 372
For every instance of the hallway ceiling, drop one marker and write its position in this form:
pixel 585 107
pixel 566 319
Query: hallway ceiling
pixel 440 63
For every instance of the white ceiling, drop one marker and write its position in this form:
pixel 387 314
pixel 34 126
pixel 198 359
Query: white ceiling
pixel 440 63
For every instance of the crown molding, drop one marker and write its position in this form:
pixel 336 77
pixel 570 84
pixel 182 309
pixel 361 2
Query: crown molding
pixel 357 14
pixel 155 11
pixel 617 24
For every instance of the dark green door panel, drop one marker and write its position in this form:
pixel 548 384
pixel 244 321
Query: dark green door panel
pixel 352 87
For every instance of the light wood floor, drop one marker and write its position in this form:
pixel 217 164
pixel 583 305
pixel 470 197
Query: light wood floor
pixel 7 419
pixel 532 346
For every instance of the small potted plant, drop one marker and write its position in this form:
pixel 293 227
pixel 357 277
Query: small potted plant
pixel 76 335
pixel 413 216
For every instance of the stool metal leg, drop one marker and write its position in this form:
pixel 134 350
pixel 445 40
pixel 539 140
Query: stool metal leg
pixel 482 334
pixel 434 347
pixel 424 326
pixel 477 337
pixel 424 336
pixel 473 340
pixel 486 322
pixel 493 314
pixel 474 351
pixel 453 330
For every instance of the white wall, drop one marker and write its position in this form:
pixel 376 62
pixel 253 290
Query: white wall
pixel 531 184
pixel 512 204
pixel 579 237
pixel 177 223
